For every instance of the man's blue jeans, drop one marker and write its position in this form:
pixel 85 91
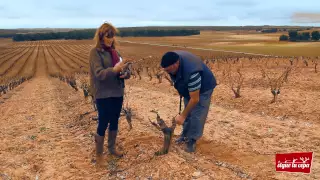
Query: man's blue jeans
pixel 194 124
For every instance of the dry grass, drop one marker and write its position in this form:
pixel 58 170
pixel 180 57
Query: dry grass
pixel 278 49
pixel 238 41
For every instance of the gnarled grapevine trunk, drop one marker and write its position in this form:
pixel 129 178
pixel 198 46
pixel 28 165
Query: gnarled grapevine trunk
pixel 167 132
pixel 128 113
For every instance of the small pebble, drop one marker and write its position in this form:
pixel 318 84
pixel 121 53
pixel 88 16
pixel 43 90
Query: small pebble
pixel 196 174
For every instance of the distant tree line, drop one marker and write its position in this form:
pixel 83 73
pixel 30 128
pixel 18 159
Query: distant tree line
pixel 9 35
pixel 89 34
pixel 304 36
pixel 158 33
pixel 274 30
pixel 76 34
pixel 11 32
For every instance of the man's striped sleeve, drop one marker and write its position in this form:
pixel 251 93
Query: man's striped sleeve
pixel 194 82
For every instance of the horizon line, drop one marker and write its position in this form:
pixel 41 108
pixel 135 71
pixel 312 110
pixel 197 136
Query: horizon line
pixel 160 26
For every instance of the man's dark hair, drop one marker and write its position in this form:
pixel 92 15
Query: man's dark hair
pixel 168 59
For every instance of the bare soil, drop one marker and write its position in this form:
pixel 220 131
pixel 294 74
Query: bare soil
pixel 47 129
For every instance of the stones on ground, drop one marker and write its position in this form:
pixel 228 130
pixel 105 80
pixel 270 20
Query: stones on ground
pixel 196 174
pixel 5 176
pixel 94 118
pixel 29 117
pixel 121 176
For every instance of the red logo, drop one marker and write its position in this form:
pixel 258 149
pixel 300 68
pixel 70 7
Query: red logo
pixel 294 162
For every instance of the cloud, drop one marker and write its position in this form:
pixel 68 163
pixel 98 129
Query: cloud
pixel 80 13
pixel 306 17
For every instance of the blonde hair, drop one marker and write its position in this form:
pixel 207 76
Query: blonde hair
pixel 101 31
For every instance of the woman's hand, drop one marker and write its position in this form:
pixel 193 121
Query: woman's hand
pixel 124 76
pixel 125 73
pixel 118 67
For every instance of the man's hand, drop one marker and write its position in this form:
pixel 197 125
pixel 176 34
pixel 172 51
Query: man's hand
pixel 194 100
pixel 180 119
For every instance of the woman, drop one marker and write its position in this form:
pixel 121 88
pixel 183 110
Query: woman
pixel 107 86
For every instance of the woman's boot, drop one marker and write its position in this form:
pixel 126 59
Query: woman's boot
pixel 112 136
pixel 99 148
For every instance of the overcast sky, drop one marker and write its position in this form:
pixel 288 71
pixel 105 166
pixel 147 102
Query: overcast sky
pixel 90 14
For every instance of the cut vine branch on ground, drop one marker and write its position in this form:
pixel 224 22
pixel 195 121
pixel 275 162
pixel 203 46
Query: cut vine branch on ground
pixel 126 109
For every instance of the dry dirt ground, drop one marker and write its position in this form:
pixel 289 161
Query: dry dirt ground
pixel 47 131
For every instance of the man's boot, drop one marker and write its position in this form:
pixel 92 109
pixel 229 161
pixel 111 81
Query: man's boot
pixel 99 140
pixel 181 139
pixel 112 136
pixel 191 145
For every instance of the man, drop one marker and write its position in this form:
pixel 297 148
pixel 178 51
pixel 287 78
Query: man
pixel 195 82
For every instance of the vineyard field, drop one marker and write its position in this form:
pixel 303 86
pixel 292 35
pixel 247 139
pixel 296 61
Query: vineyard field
pixel 48 124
